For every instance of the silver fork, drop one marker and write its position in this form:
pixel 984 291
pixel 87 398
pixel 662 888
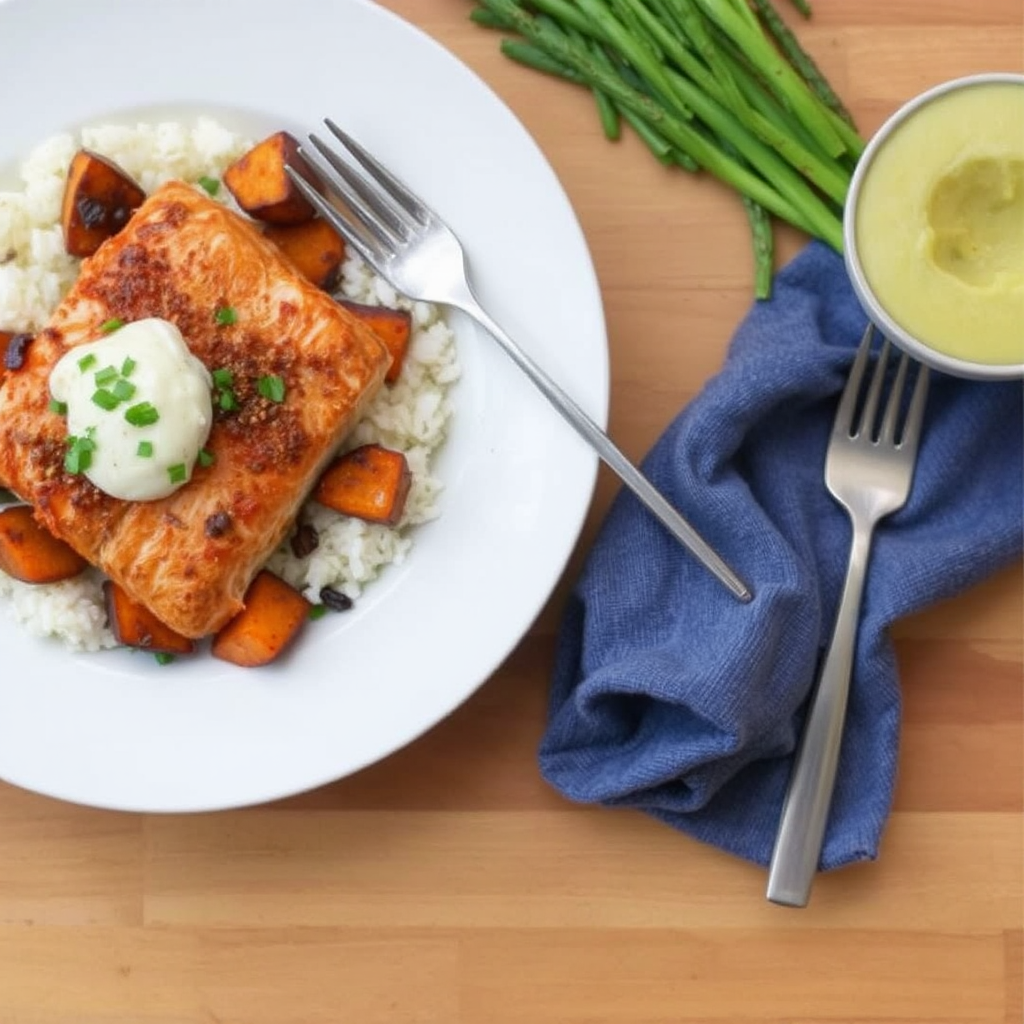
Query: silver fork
pixel 868 470
pixel 411 247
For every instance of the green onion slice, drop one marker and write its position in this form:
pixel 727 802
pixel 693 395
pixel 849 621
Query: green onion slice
pixel 272 387
pixel 124 390
pixel 106 376
pixel 142 415
pixel 106 399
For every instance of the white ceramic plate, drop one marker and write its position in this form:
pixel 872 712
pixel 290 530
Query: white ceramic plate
pixel 116 730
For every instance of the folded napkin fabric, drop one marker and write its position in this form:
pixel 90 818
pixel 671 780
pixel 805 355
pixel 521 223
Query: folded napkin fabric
pixel 672 697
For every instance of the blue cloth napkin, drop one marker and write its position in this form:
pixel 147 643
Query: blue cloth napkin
pixel 672 697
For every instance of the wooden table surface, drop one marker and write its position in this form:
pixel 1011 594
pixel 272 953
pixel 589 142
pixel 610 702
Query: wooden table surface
pixel 449 884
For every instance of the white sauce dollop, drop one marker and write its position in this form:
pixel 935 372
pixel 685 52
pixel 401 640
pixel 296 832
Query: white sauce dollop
pixel 128 461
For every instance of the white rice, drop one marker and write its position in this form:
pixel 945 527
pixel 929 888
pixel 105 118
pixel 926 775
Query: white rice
pixel 410 415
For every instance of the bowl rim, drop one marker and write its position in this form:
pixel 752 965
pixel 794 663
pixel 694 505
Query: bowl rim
pixel 875 310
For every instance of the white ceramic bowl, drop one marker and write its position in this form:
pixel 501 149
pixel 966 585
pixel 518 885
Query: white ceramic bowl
pixel 879 315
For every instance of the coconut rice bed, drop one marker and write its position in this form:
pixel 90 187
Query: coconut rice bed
pixel 410 415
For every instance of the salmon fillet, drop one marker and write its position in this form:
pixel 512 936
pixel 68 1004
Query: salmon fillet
pixel 190 557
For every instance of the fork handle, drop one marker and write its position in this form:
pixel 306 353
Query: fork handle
pixel 798 841
pixel 648 494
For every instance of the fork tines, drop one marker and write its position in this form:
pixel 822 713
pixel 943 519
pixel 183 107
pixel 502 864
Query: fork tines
pixel 858 409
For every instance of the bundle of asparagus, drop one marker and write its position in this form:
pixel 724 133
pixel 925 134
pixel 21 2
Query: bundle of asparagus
pixel 717 85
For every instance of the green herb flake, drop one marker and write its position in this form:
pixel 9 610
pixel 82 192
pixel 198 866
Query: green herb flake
pixel 78 457
pixel 60 408
pixel 124 390
pixel 86 361
pixel 105 399
pixel 111 325
pixel 163 658
pixel 128 366
pixel 223 378
pixel 142 415
pixel 205 458
pixel 145 450
pixel 211 186
pixel 177 473
pixel 106 376
pixel 228 401
pixel 317 611
pixel 272 387
pixel 225 316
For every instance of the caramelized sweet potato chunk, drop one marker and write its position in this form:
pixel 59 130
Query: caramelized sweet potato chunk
pixel 393 327
pixel 134 625
pixel 261 186
pixel 273 614
pixel 98 200
pixel 370 482
pixel 314 248
pixel 30 553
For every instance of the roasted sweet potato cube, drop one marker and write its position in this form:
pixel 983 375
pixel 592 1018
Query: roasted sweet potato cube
pixel 370 482
pixel 134 625
pixel 261 186
pixel 314 248
pixel 30 553
pixel 98 200
pixel 392 326
pixel 273 614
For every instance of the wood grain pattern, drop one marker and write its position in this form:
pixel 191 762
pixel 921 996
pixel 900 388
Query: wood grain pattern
pixel 448 884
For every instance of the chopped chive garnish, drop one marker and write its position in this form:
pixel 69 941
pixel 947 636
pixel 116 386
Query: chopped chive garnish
pixel 145 450
pixel 128 366
pixel 210 185
pixel 78 457
pixel 225 316
pixel 271 387
pixel 60 408
pixel 124 390
pixel 86 361
pixel 106 399
pixel 106 376
pixel 228 401
pixel 76 461
pixel 163 658
pixel 111 325
pixel 177 473
pixel 142 415
pixel 205 458
pixel 223 378
pixel 317 611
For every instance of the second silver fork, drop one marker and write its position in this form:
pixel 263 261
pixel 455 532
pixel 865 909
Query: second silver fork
pixel 868 470
pixel 412 248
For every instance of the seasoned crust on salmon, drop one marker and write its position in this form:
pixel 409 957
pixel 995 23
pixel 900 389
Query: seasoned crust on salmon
pixel 190 557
